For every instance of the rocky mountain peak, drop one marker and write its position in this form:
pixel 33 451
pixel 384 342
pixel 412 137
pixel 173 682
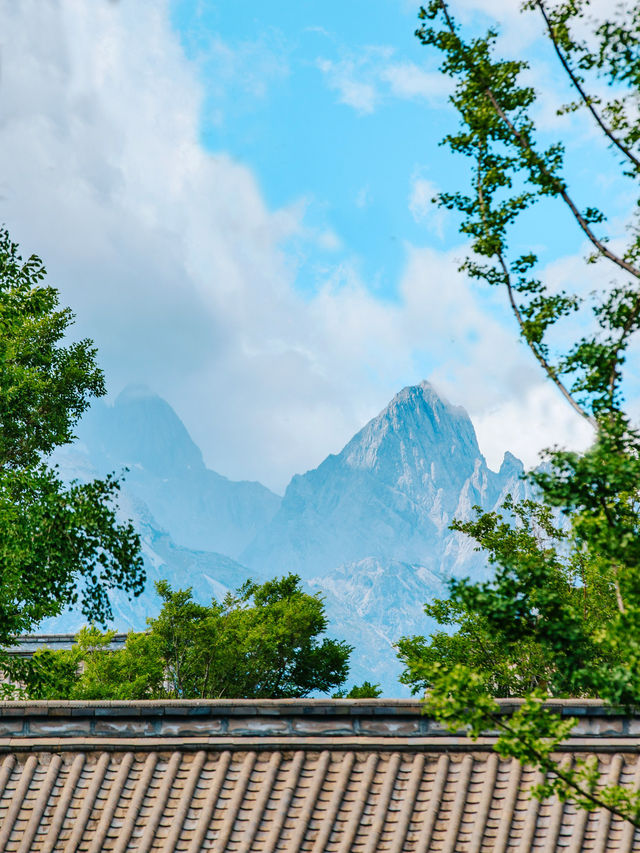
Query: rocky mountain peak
pixel 198 507
pixel 369 527
pixel 419 438
pixel 391 493
pixel 511 465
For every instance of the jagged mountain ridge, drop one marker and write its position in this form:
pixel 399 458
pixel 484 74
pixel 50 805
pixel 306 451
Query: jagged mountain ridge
pixel 369 528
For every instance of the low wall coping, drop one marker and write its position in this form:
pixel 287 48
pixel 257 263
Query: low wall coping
pixel 292 723
pixel 284 707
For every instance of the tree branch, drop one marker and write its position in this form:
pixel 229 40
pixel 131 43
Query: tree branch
pixel 616 584
pixel 585 98
pixel 564 195
pixel 562 192
pixel 626 331
pixel 551 766
pixel 548 368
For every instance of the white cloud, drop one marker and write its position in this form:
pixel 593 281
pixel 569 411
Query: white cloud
pixel 408 80
pixel 365 78
pixel 421 198
pixel 422 207
pixel 178 269
pixel 329 240
pixel 346 77
pixel 249 66
pixel 538 418
pixel 363 197
pixel 500 9
pixel 487 369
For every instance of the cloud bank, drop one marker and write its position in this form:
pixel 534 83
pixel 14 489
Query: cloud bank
pixel 180 271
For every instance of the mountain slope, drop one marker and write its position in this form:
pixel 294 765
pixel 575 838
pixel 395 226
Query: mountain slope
pixel 209 574
pixel 371 604
pixel 368 528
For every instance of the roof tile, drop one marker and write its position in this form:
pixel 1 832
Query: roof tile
pixel 330 783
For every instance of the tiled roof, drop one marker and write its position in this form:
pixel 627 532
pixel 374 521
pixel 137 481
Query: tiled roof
pixel 319 777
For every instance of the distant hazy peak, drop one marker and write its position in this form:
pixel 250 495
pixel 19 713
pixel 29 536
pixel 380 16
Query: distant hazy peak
pixel 511 463
pixel 429 390
pixel 390 494
pixel 430 395
pixel 140 429
pixel 135 393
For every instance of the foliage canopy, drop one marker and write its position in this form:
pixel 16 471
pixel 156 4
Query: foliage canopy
pixel 59 544
pixel 562 615
pixel 534 626
pixel 263 641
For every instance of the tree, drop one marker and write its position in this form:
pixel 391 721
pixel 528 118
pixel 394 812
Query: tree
pixel 91 670
pixel 366 690
pixel 530 600
pixel 533 626
pixel 59 544
pixel 261 642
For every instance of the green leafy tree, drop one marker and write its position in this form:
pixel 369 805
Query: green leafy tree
pixel 92 670
pixel 535 626
pixel 511 171
pixel 134 672
pixel 59 544
pixel 260 642
pixel 366 690
pixel 263 641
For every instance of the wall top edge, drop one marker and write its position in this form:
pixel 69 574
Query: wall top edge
pixel 289 707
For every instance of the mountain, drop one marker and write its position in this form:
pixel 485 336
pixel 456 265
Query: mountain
pixel 371 604
pixel 390 494
pixel 368 528
pixel 199 508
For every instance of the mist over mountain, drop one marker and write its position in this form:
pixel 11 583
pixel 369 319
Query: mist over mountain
pixel 368 528
pixel 211 575
pixel 196 506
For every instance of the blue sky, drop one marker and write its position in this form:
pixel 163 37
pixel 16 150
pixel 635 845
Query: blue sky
pixel 235 202
pixel 272 105
pixel 340 106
